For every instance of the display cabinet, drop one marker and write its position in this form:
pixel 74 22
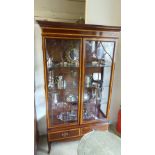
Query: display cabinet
pixel 78 71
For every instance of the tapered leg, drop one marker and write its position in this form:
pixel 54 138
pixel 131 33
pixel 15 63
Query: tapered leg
pixel 49 147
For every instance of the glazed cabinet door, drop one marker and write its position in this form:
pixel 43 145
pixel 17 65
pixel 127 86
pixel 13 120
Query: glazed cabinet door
pixel 97 65
pixel 62 65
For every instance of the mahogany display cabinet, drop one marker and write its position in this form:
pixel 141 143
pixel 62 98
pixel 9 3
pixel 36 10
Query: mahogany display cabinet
pixel 79 63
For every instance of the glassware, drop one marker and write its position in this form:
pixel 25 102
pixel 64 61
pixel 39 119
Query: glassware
pixel 74 83
pixel 49 62
pixel 63 116
pixel 74 73
pixel 88 80
pixel 51 83
pixel 71 98
pixel 93 93
pixel 55 99
pixel 86 96
pixel 61 83
pixel 67 116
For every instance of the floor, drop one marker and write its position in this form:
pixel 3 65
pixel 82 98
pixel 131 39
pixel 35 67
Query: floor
pixel 67 148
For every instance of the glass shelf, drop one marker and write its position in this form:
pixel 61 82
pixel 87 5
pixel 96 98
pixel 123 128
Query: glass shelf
pixel 63 89
pixel 94 87
pixel 98 65
pixel 63 66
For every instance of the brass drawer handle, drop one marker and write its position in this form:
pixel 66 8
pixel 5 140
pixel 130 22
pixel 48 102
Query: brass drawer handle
pixel 64 134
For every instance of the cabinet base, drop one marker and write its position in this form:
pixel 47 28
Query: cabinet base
pixel 70 133
pixel 73 133
pixel 49 147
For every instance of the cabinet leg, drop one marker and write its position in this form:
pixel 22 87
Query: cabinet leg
pixel 49 147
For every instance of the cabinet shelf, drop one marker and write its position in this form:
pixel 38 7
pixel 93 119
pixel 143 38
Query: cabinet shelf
pixel 63 70
pixel 95 87
pixel 90 65
pixel 64 89
pixel 64 67
pixel 54 119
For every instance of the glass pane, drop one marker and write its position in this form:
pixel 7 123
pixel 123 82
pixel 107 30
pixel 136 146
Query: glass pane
pixel 63 80
pixel 106 76
pixel 104 99
pixel 98 64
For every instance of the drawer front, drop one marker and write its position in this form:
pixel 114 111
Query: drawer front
pixel 85 130
pixel 64 134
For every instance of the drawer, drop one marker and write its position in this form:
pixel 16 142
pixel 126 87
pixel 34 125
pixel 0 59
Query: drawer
pixel 85 130
pixel 64 134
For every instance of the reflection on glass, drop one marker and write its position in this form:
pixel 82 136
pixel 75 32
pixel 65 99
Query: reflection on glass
pixel 106 76
pixel 62 56
pixel 98 63
pixel 99 53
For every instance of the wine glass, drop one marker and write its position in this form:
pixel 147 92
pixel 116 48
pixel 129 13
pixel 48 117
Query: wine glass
pixel 93 93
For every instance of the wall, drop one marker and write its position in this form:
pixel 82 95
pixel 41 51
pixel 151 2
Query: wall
pixel 54 10
pixel 59 10
pixel 108 12
pixel 103 12
pixel 116 93
pixel 39 81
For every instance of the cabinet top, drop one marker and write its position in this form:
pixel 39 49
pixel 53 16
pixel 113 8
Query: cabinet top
pixel 47 24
